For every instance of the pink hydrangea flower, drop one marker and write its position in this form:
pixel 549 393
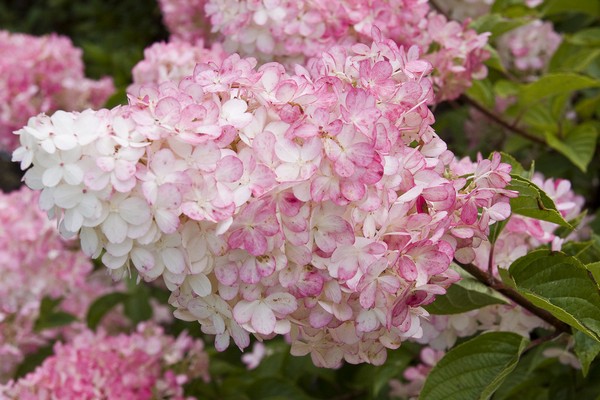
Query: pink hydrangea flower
pixel 42 74
pixel 292 32
pixel 36 263
pixel 141 365
pixel 173 61
pixel 246 189
pixel 529 48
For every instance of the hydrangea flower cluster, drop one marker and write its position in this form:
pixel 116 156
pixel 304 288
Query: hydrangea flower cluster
pixel 529 48
pixel 185 19
pixel 173 61
pixel 462 10
pixel 42 74
pixel 317 204
pixel 144 365
pixel 292 31
pixel 520 236
pixel 35 262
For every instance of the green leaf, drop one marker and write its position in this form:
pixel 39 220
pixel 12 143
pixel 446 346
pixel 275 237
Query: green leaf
pixel 586 252
pixel 506 88
pixel 553 84
pixel 579 145
pixel 524 376
pixel 483 93
pixel 534 202
pixel 53 320
pixel 594 269
pixel 494 61
pixel 276 388
pixel 103 305
pixel 465 295
pixel 138 308
pixel 517 168
pixel 33 360
pixel 587 37
pixel 552 7
pixel 474 369
pixel 49 317
pixel 375 378
pixel 497 24
pixel 586 349
pixel 563 232
pixel 496 229
pixel 559 284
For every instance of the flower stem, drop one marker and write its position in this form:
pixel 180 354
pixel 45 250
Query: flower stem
pixel 500 121
pixel 515 296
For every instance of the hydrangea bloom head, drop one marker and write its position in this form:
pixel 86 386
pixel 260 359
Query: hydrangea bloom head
pixel 42 74
pixel 529 48
pixel 36 263
pixel 316 203
pixel 292 32
pixel 142 365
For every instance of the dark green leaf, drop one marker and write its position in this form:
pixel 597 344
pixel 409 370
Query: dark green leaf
pixel 375 378
pixel 534 202
pixel 276 388
pixel 49 317
pixel 103 305
pixel 517 168
pixel 586 252
pixel 524 377
pixel 553 84
pixel 586 349
pixel 496 229
pixel 590 7
pixel 563 232
pixel 594 269
pixel 483 93
pixel 559 284
pixel 474 369
pixel 497 24
pixel 53 320
pixel 137 307
pixel 466 295
pixel 33 360
pixel 579 145
pixel 586 37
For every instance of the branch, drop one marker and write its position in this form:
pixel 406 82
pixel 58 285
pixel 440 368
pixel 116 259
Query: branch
pixel 515 296
pixel 498 120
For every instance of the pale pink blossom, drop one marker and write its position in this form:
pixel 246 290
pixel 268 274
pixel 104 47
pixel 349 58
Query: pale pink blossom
pixel 43 74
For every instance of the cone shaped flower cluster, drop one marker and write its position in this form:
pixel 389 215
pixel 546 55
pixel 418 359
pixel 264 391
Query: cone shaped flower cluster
pixel 316 203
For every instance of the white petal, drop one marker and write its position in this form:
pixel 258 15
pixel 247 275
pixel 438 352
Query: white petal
pixel 73 174
pixel 142 259
pixel 89 242
pixel 174 260
pixel 115 228
pixel 283 303
pixel 200 284
pixel 134 210
pixel 242 312
pixel 52 176
pixel 67 196
pixel 263 319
